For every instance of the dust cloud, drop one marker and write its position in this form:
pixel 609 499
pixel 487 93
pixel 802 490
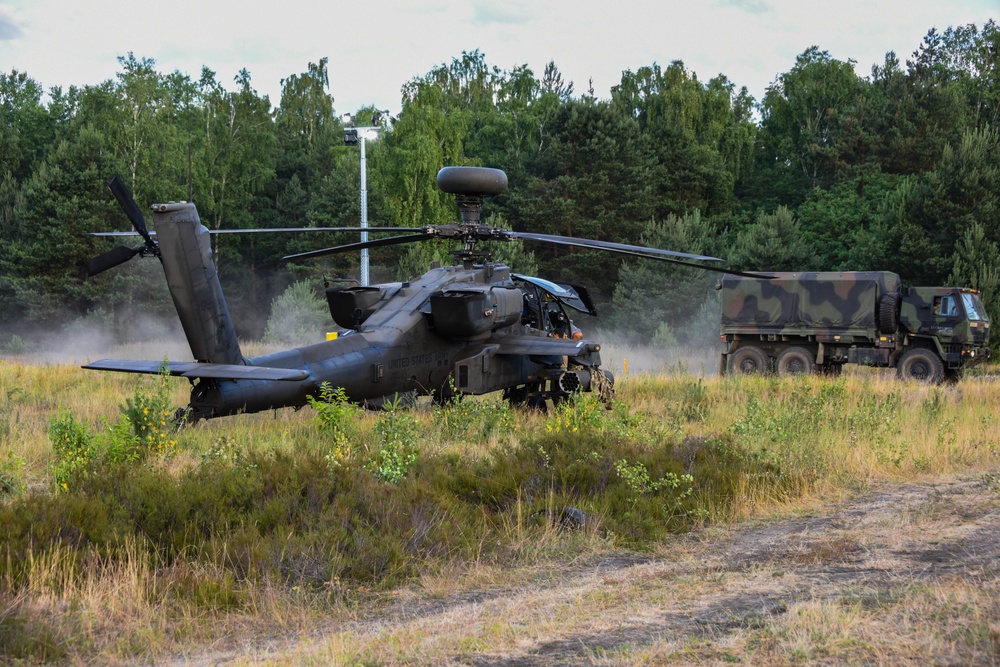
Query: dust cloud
pixel 700 359
pixel 96 337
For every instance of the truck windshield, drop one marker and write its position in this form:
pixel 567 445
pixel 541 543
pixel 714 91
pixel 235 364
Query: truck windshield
pixel 973 306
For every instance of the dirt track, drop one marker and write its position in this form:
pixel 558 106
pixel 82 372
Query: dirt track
pixel 898 576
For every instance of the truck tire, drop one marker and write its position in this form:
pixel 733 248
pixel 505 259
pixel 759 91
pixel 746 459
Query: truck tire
pixel 888 313
pixel 749 360
pixel 920 364
pixel 794 361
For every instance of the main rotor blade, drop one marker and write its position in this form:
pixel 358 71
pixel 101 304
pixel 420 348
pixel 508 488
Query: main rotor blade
pixel 642 252
pixel 608 245
pixel 278 229
pixel 392 240
pixel 315 229
pixel 713 269
pixel 671 260
pixel 111 259
pixel 131 209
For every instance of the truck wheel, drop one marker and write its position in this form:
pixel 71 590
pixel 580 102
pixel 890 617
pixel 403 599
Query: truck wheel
pixel 888 313
pixel 794 361
pixel 921 365
pixel 749 360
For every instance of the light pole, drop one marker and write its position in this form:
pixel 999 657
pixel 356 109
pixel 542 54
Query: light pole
pixel 352 135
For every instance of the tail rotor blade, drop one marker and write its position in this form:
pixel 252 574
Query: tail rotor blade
pixel 131 209
pixel 111 259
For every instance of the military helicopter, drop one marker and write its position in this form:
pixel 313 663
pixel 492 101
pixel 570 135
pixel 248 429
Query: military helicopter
pixel 470 328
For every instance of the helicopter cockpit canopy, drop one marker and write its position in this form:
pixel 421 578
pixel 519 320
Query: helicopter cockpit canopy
pixel 574 296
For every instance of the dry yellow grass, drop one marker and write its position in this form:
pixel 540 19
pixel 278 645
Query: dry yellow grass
pixel 814 585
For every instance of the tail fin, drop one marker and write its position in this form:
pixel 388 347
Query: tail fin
pixel 186 253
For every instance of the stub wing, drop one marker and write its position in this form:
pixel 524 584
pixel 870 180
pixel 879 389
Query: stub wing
pixel 194 369
pixel 536 345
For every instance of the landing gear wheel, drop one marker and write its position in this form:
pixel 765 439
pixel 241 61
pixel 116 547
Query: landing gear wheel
pixel 749 360
pixel 921 365
pixel 516 396
pixel 536 402
pixel 794 361
pixel 182 418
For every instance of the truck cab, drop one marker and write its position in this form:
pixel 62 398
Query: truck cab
pixel 951 319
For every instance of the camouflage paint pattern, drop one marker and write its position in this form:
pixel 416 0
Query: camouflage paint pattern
pixel 802 303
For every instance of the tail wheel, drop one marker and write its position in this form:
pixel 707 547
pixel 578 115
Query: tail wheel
pixel 749 360
pixel 920 364
pixel 794 361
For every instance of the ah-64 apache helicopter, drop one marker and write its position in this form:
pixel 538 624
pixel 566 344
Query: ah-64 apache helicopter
pixel 471 328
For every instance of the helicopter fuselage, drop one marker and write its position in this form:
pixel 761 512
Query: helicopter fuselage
pixel 455 330
pixel 397 352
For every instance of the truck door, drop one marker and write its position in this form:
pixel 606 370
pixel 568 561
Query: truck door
pixel 932 312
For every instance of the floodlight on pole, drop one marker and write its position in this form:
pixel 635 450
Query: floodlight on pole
pixel 352 136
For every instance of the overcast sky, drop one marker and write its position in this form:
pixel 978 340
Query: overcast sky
pixel 376 47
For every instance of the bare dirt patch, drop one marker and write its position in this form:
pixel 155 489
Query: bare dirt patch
pixel 906 574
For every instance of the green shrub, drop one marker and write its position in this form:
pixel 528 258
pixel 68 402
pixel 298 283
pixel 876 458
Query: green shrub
pixel 72 524
pixel 637 479
pixel 337 417
pixel 149 414
pixel 396 431
pixel 143 430
pixel 16 346
pixel 473 421
pixel 29 639
pixel 297 317
pixel 11 475
pixel 74 447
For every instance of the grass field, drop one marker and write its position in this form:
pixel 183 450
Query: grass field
pixel 124 539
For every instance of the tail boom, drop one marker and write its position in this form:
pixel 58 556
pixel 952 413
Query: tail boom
pixel 186 254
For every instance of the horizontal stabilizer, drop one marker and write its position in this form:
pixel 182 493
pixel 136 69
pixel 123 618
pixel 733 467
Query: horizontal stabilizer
pixel 534 345
pixel 194 369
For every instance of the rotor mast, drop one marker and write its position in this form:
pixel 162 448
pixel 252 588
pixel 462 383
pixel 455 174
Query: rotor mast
pixel 471 185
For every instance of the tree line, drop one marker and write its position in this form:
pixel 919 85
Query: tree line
pixel 896 170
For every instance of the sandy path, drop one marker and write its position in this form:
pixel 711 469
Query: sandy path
pixel 712 597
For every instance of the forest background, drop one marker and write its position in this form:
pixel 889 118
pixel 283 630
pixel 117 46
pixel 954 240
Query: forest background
pixel 898 170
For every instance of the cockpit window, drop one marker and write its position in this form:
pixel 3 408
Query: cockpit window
pixel 568 295
pixel 945 306
pixel 973 306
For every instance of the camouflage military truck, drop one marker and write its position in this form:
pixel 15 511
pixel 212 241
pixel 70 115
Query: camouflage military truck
pixel 807 322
